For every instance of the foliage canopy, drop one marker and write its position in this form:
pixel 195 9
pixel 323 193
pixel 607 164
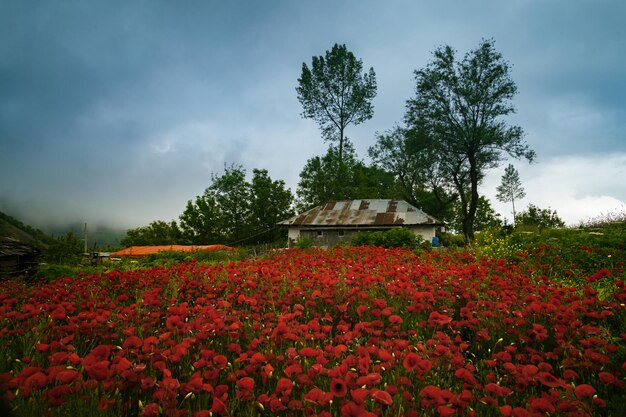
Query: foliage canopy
pixel 335 93
pixel 510 189
pixel 459 109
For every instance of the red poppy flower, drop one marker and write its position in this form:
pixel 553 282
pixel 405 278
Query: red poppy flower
pixel 98 370
pixel 133 342
pixel 445 411
pixel 351 409
pixel 506 410
pixel 150 410
pixel 541 405
pixel 497 390
pixel 284 386
pixel 569 374
pixel 246 383
pixel 550 380
pixel 369 379
pixel 361 309
pixel 37 380
pixel 319 397
pixel 338 387
pixel 411 360
pixel 395 319
pixel 382 397
pixel 66 376
pixel 359 395
pixel 59 313
pixel 105 403
pixel 437 319
pixel 607 378
pixel 584 391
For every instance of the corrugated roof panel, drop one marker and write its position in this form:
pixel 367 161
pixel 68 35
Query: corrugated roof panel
pixel 363 212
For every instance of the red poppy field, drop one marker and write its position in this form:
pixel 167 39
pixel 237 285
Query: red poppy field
pixel 342 332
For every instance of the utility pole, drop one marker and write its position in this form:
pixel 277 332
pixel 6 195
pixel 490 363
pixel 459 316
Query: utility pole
pixel 85 236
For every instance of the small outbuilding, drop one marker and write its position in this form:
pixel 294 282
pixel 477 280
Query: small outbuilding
pixel 17 258
pixel 336 221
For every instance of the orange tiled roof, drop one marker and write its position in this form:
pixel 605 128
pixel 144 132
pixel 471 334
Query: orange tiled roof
pixel 149 250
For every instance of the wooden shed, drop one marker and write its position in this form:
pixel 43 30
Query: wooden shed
pixel 17 258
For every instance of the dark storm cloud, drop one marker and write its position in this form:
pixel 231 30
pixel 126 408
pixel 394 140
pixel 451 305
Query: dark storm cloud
pixel 120 111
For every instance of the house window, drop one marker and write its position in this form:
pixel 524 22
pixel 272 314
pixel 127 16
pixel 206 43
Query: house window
pixel 320 233
pixel 341 233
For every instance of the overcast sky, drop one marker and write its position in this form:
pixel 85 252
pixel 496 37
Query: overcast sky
pixel 117 112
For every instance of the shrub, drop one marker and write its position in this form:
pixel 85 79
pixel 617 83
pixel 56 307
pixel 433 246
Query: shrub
pixel 368 239
pixel 452 240
pixel 393 238
pixel 496 244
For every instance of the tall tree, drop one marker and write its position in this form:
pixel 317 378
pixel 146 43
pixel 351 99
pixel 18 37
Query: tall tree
pixel 271 202
pixel 335 93
pixel 232 193
pixel 409 156
pixel 201 221
pixel 318 183
pixel 486 216
pixel 233 210
pixel 318 180
pixel 66 249
pixel 461 106
pixel 156 233
pixel 510 189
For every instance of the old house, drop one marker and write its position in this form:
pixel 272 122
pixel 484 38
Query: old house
pixel 336 221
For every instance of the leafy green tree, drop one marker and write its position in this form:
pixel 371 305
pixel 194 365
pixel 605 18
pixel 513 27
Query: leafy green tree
pixel 510 189
pixel 460 106
pixel 371 182
pixel 232 210
pixel 232 194
pixel 409 157
pixel 318 180
pixel 335 93
pixel 200 222
pixel 542 219
pixel 318 183
pixel 486 216
pixel 271 202
pixel 156 233
pixel 67 249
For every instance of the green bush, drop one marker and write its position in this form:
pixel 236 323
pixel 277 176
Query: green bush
pixel 368 239
pixel 452 240
pixel 303 243
pixel 172 257
pixel 496 244
pixel 393 238
pixel 572 257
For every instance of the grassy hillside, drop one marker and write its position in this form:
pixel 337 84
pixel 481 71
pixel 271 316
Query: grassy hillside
pixel 15 229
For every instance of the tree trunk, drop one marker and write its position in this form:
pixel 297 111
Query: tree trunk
pixel 513 202
pixel 468 221
pixel 460 187
pixel 340 168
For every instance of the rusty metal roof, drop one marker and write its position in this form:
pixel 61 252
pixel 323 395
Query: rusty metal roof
pixel 363 213
pixel 137 251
